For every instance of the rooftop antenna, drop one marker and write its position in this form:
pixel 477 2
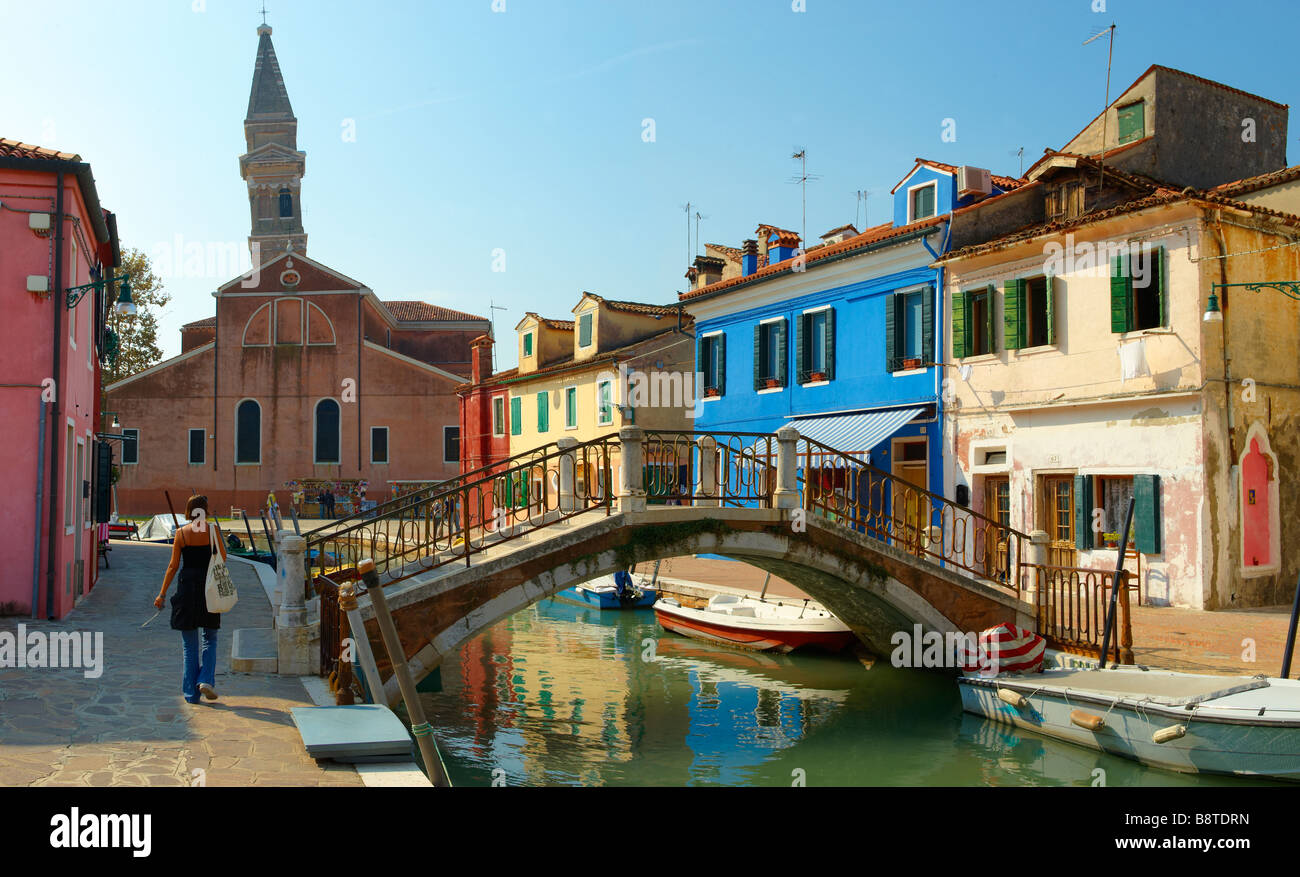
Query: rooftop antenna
pixel 802 180
pixel 687 207
pixel 698 217
pixel 1021 154
pixel 1109 34
pixel 492 323
pixel 862 194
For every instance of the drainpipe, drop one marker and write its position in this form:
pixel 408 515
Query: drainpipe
pixel 1227 373
pixel 59 299
pixel 40 485
pixel 938 347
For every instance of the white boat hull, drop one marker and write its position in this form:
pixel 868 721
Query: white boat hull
pixel 1251 732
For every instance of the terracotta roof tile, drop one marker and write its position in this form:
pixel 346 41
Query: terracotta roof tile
pixel 873 235
pixel 206 322
pixel 15 149
pixel 418 311
pixel 637 307
pixel 1000 181
pixel 1261 181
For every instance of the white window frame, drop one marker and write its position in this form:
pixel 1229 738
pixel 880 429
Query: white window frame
pixel 705 382
pixel 910 200
pixel 189 443
pixel 505 416
pixel 444 443
pixel 388 446
pixel 257 462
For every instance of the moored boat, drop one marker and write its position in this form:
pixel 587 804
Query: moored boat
pixel 751 623
pixel 1187 722
pixel 605 593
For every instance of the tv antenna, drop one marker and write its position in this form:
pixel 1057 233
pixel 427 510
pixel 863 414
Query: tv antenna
pixel 698 217
pixel 1021 154
pixel 687 208
pixel 862 194
pixel 802 180
pixel 492 323
pixel 1109 34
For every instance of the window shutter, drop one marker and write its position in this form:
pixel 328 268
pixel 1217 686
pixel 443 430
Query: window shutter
pixel 891 332
pixel 1160 280
pixel 830 344
pixel 1051 311
pixel 542 412
pixel 1146 513
pixel 960 325
pixel 758 356
pixel 782 353
pixel 1083 539
pixel 584 330
pixel 802 343
pixel 927 326
pixel 1013 313
pixel 516 415
pixel 988 319
pixel 721 353
pixel 1121 295
pixel 701 367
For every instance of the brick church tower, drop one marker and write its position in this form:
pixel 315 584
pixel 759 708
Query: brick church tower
pixel 273 167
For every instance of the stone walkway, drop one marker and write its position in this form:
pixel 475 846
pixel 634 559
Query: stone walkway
pixel 131 726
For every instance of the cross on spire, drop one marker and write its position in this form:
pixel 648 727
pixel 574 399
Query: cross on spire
pixel 263 11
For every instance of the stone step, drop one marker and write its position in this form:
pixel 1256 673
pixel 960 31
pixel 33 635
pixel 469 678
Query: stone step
pixel 253 650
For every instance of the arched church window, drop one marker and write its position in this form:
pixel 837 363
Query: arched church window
pixel 327 432
pixel 286 204
pixel 248 432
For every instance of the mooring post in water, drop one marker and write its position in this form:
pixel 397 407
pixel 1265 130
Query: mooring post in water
pixel 1290 633
pixel 1116 585
pixel 422 730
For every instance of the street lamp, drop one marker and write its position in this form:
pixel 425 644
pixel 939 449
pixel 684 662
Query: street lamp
pixel 1289 288
pixel 124 305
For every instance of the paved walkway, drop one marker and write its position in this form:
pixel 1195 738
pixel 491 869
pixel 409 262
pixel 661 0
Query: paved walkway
pixel 131 726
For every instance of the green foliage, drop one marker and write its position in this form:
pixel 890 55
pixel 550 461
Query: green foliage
pixel 137 335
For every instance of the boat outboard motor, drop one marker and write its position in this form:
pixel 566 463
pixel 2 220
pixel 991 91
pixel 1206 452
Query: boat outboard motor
pixel 624 587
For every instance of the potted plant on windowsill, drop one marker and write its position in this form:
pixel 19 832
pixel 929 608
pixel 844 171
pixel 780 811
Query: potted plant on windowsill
pixel 770 383
pixel 1111 540
pixel 909 364
pixel 814 377
pixel 712 392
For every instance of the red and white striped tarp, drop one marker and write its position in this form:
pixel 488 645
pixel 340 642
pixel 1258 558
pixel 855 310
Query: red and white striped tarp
pixel 1006 649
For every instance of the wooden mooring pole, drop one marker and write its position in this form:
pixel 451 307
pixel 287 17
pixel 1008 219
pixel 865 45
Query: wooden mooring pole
pixel 422 730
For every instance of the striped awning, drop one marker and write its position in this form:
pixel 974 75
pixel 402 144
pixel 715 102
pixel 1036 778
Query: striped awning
pixel 854 433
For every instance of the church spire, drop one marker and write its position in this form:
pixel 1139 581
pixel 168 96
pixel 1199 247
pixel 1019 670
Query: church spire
pixel 273 166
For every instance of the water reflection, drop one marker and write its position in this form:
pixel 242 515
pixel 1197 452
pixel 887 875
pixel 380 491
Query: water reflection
pixel 561 694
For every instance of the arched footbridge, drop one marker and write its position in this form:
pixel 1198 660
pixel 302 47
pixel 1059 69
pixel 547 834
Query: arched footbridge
pixel 880 553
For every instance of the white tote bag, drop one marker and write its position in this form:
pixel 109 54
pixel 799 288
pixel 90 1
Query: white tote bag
pixel 218 590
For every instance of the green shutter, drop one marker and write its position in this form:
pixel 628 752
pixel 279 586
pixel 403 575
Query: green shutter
pixel 1083 538
pixel 1146 513
pixel 1121 295
pixel 516 415
pixel 528 344
pixel 830 344
pixel 721 353
pixel 802 344
pixel 584 330
pixel 782 353
pixel 758 356
pixel 543 413
pixel 961 340
pixel 891 331
pixel 1013 313
pixel 701 366
pixel 1160 280
pixel 989 298
pixel 927 326
pixel 1051 311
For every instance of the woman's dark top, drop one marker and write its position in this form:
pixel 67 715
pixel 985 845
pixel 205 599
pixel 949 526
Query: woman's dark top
pixel 189 603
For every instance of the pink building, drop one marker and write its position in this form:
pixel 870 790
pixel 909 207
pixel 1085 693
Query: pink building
pixel 53 235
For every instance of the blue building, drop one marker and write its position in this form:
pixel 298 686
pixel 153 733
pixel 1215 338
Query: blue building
pixel 840 340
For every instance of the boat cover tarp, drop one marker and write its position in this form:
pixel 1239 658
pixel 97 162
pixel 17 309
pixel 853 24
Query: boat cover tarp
pixel 159 527
pixel 1006 648
pixel 1168 689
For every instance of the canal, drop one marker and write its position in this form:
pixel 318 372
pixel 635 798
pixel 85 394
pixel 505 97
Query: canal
pixel 560 694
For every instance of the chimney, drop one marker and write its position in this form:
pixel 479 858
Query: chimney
pixel 708 270
pixel 748 257
pixel 480 359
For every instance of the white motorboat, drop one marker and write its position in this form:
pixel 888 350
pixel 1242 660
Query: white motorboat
pixel 764 625
pixel 1187 722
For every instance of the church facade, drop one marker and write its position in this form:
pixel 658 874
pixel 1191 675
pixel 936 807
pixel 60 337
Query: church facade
pixel 303 375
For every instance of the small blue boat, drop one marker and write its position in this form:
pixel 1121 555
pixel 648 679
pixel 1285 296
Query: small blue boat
pixel 619 591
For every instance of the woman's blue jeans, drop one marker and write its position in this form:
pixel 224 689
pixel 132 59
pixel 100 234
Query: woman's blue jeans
pixel 196 670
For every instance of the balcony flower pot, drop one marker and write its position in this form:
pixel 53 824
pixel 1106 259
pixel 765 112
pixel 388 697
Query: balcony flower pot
pixel 712 392
pixel 770 383
pixel 911 364
pixel 816 376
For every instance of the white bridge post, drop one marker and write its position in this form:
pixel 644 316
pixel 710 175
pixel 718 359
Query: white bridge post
pixel 568 491
pixel 706 492
pixel 631 490
pixel 786 495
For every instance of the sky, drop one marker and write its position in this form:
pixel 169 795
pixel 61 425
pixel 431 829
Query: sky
pixel 568 135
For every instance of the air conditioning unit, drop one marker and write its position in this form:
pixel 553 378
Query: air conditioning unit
pixel 973 181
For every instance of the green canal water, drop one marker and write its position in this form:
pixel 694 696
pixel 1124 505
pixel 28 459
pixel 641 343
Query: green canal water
pixel 561 695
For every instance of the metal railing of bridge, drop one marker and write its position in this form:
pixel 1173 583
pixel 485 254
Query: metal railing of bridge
pixel 1071 609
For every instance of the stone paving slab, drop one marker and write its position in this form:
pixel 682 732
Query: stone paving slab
pixel 131 726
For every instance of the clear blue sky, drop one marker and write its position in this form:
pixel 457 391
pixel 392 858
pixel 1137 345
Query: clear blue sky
pixel 522 130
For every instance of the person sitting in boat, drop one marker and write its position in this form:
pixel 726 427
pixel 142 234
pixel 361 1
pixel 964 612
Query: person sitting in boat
pixel 623 584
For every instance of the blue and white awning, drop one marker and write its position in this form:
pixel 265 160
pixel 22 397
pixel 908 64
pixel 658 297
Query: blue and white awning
pixel 854 433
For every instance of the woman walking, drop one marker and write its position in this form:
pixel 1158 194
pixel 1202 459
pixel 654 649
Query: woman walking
pixel 191 551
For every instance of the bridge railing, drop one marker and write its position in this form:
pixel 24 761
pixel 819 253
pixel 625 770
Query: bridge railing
pixel 709 468
pixel 884 506
pixel 1071 608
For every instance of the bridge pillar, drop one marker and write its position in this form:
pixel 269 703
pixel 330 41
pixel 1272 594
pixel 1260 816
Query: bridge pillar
pixel 786 495
pixel 631 490
pixel 568 466
pixel 1037 556
pixel 706 491
pixel 292 635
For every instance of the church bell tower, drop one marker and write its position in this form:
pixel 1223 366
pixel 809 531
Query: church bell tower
pixel 273 166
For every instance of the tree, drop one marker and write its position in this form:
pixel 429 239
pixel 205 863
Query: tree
pixel 137 335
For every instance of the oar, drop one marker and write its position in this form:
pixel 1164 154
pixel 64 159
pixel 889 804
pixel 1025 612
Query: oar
pixel 1116 585
pixel 252 544
pixel 1290 634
